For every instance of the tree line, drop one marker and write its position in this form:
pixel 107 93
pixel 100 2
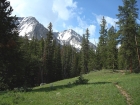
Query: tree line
pixel 127 56
pixel 27 63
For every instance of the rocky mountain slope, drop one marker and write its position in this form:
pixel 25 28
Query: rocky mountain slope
pixel 31 27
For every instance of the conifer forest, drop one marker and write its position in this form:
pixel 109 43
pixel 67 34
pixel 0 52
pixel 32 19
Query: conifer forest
pixel 27 63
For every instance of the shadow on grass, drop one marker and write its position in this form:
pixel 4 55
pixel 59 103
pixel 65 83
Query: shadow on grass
pixel 54 88
pixel 99 83
pixel 3 92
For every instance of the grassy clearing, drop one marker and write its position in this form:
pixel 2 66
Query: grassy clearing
pixel 131 84
pixel 100 90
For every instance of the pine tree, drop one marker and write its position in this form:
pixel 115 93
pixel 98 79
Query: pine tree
pixel 102 46
pixel 121 59
pixel 10 55
pixel 57 66
pixel 74 63
pixel 63 61
pixel 42 61
pixel 58 63
pixel 66 60
pixel 137 40
pixel 83 55
pixel 41 47
pixel 31 65
pixel 112 49
pixel 92 60
pixel 33 46
pixel 87 48
pixel 128 13
pixel 49 54
pixel 85 52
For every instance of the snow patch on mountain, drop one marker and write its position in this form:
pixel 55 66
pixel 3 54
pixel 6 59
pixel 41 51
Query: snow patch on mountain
pixel 70 37
pixel 30 27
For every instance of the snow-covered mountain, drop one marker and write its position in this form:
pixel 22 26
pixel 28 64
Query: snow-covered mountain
pixel 31 27
pixel 70 37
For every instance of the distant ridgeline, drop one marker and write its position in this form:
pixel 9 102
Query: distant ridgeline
pixel 30 27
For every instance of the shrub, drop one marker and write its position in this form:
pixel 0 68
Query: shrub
pixel 22 89
pixel 81 80
pixel 42 84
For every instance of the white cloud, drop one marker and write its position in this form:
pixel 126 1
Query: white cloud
pixel 59 12
pixel 110 21
pixel 18 6
pixel 92 29
pixel 64 25
pixel 45 11
pixel 83 25
pixel 64 8
pixel 79 30
pixel 40 9
pixel 82 30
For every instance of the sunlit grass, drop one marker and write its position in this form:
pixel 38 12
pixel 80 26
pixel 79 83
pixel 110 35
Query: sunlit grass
pixel 100 90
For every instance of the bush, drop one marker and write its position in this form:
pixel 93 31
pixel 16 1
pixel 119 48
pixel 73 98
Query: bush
pixel 81 80
pixel 22 89
pixel 42 84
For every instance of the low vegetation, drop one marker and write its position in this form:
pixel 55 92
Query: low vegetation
pixel 26 63
pixel 99 90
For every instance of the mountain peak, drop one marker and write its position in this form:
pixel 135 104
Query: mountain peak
pixel 30 19
pixel 70 31
pixel 32 28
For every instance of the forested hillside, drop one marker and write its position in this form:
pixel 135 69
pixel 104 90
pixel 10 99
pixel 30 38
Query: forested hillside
pixel 27 63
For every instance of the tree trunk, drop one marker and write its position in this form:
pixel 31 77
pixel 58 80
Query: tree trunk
pixel 113 66
pixel 131 65
pixel 137 50
pixel 42 76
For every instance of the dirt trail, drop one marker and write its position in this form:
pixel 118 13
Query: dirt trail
pixel 124 93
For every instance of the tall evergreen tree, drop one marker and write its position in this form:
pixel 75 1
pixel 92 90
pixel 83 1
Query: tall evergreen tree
pixel 64 61
pixel 85 52
pixel 58 62
pixel 121 59
pixel 42 61
pixel 137 40
pixel 49 54
pixel 66 56
pixel 92 60
pixel 74 63
pixel 31 65
pixel 112 49
pixel 33 46
pixel 10 56
pixel 128 13
pixel 102 46
pixel 57 66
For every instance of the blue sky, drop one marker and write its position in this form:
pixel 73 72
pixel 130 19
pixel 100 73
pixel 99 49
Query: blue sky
pixel 70 14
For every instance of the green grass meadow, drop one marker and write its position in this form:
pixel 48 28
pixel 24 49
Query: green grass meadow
pixel 100 90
